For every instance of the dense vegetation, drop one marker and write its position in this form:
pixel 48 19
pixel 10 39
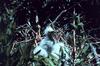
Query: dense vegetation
pixel 22 24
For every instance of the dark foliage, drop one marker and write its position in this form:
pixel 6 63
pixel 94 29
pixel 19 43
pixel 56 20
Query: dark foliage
pixel 15 13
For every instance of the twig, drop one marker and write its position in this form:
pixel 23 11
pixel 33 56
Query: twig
pixel 59 16
pixel 74 46
pixel 21 26
pixel 74 41
pixel 25 41
pixel 94 29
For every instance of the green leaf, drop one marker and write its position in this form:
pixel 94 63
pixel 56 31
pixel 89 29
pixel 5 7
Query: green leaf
pixel 49 62
pixel 78 19
pixel 75 26
pixel 85 48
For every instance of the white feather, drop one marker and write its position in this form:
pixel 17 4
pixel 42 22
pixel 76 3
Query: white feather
pixel 55 48
pixel 43 52
pixel 48 29
pixel 46 42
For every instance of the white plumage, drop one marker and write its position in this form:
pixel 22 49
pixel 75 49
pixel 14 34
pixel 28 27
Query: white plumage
pixel 46 42
pixel 43 46
pixel 47 46
pixel 48 29
pixel 42 52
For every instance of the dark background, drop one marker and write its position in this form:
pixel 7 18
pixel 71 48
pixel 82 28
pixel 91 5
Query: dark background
pixel 90 9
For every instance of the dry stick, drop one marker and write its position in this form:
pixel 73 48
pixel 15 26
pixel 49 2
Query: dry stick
pixel 52 22
pixel 39 31
pixel 24 41
pixel 31 28
pixel 74 46
pixel 57 17
pixel 63 38
pixel 12 47
pixel 28 26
